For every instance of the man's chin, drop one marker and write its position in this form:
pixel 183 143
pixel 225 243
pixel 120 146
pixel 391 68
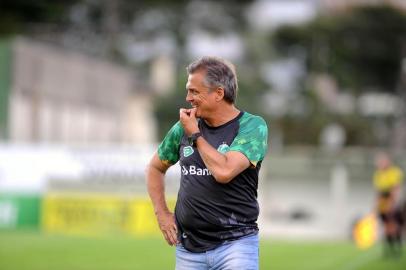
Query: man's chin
pixel 198 114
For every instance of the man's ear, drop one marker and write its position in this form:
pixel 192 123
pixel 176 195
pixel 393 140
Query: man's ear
pixel 219 94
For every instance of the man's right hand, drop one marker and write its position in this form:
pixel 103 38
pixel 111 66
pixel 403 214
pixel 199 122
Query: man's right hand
pixel 166 222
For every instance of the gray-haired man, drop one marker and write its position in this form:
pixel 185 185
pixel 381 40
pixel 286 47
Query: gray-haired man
pixel 220 150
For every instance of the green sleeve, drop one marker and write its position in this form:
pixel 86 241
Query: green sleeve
pixel 252 138
pixel 168 150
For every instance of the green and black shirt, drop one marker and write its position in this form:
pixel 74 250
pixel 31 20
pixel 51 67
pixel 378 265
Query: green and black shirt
pixel 207 212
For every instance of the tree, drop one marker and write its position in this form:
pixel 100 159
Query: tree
pixel 20 16
pixel 361 48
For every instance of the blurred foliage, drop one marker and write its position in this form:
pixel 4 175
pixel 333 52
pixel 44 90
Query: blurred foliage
pixel 307 130
pixel 20 16
pixel 361 48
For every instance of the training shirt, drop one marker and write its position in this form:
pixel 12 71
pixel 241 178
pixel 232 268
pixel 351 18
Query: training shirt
pixel 209 213
pixel 385 180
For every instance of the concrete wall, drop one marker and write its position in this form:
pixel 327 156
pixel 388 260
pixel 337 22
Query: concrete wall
pixel 59 96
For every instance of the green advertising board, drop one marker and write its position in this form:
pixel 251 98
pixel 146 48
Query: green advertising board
pixel 19 211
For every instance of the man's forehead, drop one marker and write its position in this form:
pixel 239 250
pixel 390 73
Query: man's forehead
pixel 195 79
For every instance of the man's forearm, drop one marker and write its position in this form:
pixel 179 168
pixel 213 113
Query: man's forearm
pixel 215 161
pixel 156 189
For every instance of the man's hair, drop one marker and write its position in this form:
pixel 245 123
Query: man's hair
pixel 219 73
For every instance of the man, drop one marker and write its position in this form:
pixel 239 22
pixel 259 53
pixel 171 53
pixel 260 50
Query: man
pixel 388 181
pixel 220 150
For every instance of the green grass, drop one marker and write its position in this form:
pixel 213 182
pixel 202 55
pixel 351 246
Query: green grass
pixel 31 250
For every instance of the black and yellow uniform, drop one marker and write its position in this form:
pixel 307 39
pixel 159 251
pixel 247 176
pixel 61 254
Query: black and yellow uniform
pixel 385 181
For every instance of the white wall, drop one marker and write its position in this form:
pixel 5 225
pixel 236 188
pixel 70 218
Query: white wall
pixel 60 96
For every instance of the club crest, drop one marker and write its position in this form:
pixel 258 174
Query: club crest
pixel 187 151
pixel 223 148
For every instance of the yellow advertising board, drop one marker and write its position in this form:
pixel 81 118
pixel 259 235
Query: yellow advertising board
pixel 96 214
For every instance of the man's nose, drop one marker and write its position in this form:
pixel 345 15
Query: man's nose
pixel 189 97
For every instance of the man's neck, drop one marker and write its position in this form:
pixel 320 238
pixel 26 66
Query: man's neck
pixel 222 116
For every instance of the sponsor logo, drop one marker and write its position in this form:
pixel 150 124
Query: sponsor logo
pixel 223 148
pixel 187 151
pixel 193 170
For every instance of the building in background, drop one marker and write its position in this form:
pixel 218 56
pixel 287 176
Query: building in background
pixel 64 97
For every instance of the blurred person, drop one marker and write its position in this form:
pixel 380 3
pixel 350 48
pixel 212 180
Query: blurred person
pixel 220 149
pixel 388 180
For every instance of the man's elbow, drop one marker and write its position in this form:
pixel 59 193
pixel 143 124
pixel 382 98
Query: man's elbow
pixel 223 177
pixel 148 172
pixel 150 168
pixel 147 168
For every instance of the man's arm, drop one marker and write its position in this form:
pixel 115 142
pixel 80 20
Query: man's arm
pixel 224 167
pixel 155 174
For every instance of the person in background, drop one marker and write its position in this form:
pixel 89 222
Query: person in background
pixel 388 180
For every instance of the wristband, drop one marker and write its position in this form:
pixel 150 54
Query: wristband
pixel 192 138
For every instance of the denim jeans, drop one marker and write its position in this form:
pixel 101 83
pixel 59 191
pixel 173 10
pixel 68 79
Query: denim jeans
pixel 240 254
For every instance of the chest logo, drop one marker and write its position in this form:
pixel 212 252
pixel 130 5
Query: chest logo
pixel 223 148
pixel 187 151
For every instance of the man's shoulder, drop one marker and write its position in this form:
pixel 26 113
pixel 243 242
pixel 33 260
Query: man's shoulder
pixel 248 120
pixel 173 136
pixel 177 128
pixel 168 149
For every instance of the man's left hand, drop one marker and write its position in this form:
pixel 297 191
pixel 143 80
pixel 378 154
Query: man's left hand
pixel 188 120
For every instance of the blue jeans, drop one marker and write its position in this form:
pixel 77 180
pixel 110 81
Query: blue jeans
pixel 240 254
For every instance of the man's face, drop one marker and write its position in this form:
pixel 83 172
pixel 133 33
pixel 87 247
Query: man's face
pixel 199 95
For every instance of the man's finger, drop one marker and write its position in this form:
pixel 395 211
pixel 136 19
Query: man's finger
pixel 173 237
pixel 167 237
pixel 192 112
pixel 184 113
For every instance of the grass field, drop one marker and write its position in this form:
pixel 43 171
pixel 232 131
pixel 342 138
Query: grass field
pixel 20 250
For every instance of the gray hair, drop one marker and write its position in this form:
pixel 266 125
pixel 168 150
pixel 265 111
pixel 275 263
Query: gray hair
pixel 219 73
